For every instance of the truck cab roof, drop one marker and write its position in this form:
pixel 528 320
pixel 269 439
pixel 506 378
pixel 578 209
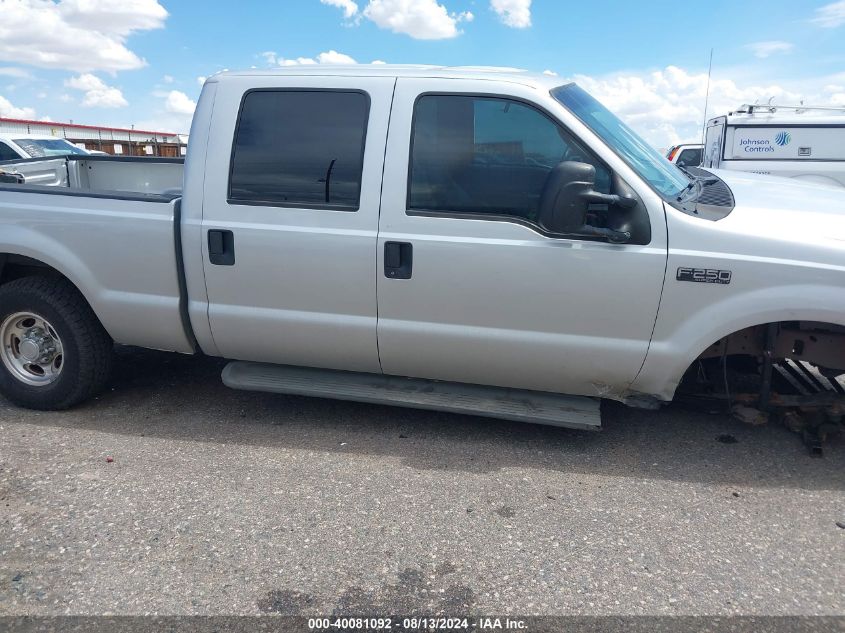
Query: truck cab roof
pixel 490 73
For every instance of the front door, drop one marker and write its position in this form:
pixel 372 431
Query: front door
pixel 471 288
pixel 290 214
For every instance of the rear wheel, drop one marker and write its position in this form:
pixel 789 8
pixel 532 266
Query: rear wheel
pixel 54 353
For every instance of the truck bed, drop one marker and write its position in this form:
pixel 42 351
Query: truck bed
pixel 111 225
pixel 109 176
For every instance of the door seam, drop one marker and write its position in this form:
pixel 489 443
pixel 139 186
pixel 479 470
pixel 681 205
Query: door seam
pixel 378 224
pixel 659 302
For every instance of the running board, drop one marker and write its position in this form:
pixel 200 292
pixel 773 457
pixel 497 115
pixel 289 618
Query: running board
pixel 537 407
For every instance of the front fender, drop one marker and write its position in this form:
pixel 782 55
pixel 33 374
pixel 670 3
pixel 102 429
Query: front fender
pixel 681 338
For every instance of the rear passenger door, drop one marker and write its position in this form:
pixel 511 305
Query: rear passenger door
pixel 290 215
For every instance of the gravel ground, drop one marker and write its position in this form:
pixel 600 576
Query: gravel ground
pixel 226 502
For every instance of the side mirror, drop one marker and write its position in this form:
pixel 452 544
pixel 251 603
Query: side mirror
pixel 567 196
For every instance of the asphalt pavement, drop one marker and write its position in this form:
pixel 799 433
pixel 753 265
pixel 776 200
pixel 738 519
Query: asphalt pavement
pixel 172 494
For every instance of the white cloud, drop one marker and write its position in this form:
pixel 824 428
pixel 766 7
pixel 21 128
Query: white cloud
pixel 201 80
pixel 9 111
pixel 299 61
pixel 377 62
pixel 326 57
pixel 834 95
pixel 270 57
pixel 333 57
pixel 174 113
pixel 421 19
pixel 178 102
pixel 14 71
pixel 113 16
pixel 78 35
pixel 765 49
pixel 168 79
pixel 513 13
pixel 350 9
pixel 667 106
pixel 97 93
pixel 830 15
pixel 550 73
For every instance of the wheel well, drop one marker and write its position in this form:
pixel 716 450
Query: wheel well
pixel 748 361
pixel 822 344
pixel 16 266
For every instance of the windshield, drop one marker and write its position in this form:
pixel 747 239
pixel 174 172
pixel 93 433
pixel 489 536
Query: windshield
pixel 38 148
pixel 667 179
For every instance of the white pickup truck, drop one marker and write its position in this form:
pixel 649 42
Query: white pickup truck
pixel 16 146
pixel 453 239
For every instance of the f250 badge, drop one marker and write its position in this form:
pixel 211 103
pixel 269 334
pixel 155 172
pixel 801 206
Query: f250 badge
pixel 703 275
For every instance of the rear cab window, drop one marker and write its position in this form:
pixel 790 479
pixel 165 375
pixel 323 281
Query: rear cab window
pixel 300 148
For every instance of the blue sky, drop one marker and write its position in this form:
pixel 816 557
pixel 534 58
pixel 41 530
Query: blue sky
pixel 122 62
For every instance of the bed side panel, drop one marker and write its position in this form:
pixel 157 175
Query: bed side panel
pixel 120 253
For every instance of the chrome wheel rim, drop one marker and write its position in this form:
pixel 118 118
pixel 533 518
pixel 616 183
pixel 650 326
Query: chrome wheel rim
pixel 31 349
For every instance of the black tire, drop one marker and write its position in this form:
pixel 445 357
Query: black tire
pixel 87 347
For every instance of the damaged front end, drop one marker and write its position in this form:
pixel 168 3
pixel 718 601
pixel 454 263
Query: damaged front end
pixel 792 372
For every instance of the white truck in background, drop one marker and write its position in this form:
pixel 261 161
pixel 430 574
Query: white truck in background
pixel 15 146
pixel 686 154
pixel 801 142
pixel 453 239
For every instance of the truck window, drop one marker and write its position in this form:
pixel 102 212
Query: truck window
pixel 489 155
pixel 44 147
pixel 299 148
pixel 690 158
pixel 7 153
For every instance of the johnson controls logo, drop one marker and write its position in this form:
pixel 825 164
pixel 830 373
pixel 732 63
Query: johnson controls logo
pixel 765 145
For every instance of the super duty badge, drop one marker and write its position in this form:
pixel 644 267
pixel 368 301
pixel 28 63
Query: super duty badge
pixel 704 275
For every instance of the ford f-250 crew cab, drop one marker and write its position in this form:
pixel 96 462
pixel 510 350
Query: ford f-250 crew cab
pixel 461 240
